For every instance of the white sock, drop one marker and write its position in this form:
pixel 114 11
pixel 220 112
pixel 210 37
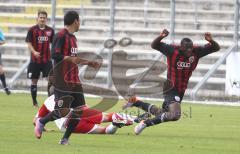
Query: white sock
pixel 111 129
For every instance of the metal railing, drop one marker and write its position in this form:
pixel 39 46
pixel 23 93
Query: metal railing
pixel 223 58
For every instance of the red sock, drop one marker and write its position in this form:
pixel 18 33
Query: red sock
pixel 43 111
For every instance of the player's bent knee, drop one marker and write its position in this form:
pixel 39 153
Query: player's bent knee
pixel 154 110
pixel 176 116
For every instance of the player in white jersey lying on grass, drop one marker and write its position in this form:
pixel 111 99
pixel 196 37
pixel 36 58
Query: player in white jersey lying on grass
pixel 90 119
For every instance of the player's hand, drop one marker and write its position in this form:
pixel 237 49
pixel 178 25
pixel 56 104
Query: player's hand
pixel 36 54
pixel 94 64
pixel 164 33
pixel 208 36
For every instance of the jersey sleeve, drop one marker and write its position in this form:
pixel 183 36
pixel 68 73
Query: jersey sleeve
pixel 207 49
pixel 164 48
pixel 51 38
pixel 57 47
pixel 29 36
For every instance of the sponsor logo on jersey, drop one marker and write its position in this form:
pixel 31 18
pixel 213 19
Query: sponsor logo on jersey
pixel 182 65
pixel 74 51
pixel 42 39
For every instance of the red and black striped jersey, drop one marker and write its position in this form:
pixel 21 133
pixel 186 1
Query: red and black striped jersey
pixel 65 72
pixel 40 40
pixel 180 66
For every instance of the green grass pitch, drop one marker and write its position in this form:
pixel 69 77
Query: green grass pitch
pixel 207 129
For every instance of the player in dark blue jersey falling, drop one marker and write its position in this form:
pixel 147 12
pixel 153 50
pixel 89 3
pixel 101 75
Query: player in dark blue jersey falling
pixel 181 62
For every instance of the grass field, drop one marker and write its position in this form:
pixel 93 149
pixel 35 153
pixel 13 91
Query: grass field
pixel 202 129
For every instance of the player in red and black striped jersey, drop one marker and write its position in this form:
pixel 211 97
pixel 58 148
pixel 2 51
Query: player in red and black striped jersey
pixel 181 62
pixel 67 87
pixel 39 38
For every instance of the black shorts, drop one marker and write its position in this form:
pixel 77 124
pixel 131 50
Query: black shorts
pixel 65 99
pixel 34 70
pixel 170 97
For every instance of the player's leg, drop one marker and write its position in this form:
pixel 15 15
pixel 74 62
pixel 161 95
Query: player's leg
pixel 33 73
pixel 3 79
pixel 45 71
pixel 34 92
pixel 173 114
pixel 86 127
pixel 171 111
pixel 62 108
pixel 78 101
pixel 109 129
pixel 147 107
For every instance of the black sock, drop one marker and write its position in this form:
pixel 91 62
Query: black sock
pixel 49 117
pixel 154 121
pixel 142 105
pixel 3 79
pixel 71 126
pixel 34 94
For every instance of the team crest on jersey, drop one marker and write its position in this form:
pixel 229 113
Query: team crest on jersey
pixel 49 33
pixel 60 103
pixel 177 98
pixel 191 59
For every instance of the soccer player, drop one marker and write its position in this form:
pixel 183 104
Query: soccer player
pixel 38 39
pixel 2 74
pixel 181 61
pixel 67 87
pixel 89 120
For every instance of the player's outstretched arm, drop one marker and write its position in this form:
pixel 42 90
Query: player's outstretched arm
pixel 78 60
pixel 157 40
pixel 214 44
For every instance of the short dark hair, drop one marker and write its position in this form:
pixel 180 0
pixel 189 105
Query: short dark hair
pixel 70 17
pixel 186 40
pixel 42 12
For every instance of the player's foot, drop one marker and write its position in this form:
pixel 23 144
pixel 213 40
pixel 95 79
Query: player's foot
pixel 120 120
pixel 122 123
pixel 35 106
pixel 34 124
pixel 39 127
pixel 130 102
pixel 8 92
pixel 140 127
pixel 141 117
pixel 64 141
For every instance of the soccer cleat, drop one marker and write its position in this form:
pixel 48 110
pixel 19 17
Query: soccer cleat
pixel 130 102
pixel 39 127
pixel 141 117
pixel 122 123
pixel 64 141
pixel 120 120
pixel 8 92
pixel 140 127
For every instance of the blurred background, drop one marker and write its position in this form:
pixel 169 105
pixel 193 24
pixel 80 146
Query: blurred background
pixel 139 20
